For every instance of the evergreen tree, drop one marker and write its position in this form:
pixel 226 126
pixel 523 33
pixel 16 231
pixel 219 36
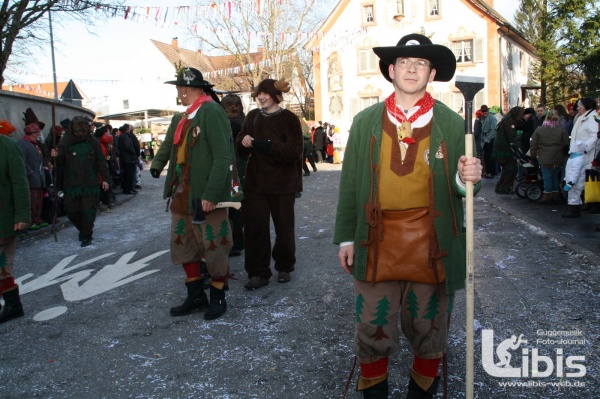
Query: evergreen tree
pixel 432 310
pixel 180 230
pixel 360 303
pixel 413 307
pixel 564 33
pixel 381 319
pixel 210 236
pixel 224 231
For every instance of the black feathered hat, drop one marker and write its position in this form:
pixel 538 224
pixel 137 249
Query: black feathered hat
pixel 418 46
pixel 31 118
pixel 190 77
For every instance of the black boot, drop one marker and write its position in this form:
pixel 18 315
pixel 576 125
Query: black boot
pixel 416 392
pixel 377 391
pixel 218 305
pixel 12 305
pixel 205 275
pixel 573 211
pixel 196 299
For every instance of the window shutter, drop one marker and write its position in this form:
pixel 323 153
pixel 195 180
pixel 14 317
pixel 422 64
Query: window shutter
pixel 373 64
pixel 354 107
pixel 362 61
pixel 478 100
pixel 478 49
pixel 447 99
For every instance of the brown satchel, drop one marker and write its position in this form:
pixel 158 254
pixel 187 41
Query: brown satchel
pixel 404 252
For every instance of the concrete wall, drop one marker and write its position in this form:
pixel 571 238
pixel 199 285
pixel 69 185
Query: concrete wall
pixel 13 106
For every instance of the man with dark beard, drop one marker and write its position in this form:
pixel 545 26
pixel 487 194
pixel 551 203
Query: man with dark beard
pixel 232 104
pixel 80 156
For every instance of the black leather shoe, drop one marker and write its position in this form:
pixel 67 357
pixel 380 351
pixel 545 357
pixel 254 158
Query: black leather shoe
pixel 196 300
pixel 378 391
pixel 218 305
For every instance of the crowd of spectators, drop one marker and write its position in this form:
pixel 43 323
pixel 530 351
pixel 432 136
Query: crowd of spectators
pixel 561 141
pixel 121 150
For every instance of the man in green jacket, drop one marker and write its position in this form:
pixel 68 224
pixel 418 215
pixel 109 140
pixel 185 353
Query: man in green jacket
pixel 15 215
pixel 399 220
pixel 199 149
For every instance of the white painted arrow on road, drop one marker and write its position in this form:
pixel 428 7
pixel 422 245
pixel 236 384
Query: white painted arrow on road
pixel 108 278
pixel 57 274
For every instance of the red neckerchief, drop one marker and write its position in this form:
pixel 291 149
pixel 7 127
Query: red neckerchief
pixel 425 104
pixel 199 101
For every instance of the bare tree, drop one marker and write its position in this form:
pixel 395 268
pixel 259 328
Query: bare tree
pixel 269 39
pixel 23 27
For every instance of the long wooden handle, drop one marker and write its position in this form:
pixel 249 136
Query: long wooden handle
pixel 470 275
pixel 229 204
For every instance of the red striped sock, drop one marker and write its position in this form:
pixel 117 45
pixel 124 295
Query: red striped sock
pixel 375 369
pixel 427 367
pixel 6 284
pixel 192 269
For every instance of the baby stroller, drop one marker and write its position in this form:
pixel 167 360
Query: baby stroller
pixel 531 185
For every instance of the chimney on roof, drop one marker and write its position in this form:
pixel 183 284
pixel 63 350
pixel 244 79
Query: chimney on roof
pixel 175 43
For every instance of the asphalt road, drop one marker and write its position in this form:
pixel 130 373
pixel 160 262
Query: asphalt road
pixel 97 321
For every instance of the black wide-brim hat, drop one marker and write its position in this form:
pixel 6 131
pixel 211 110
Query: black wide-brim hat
pixel 418 46
pixel 190 77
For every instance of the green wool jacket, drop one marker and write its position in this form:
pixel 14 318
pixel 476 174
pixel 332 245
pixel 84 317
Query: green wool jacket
pixel 506 135
pixel 14 188
pixel 83 163
pixel 356 189
pixel 211 156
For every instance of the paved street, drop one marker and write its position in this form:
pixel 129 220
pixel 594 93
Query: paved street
pixel 97 321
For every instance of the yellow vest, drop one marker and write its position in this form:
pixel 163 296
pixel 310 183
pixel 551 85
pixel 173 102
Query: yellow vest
pixel 404 185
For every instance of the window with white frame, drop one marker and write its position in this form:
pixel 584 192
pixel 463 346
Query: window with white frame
pixel 366 102
pixel 367 62
pixel 368 14
pixel 458 102
pixel 463 50
pixel 433 8
pixel 399 7
pixel 357 104
pixel 509 56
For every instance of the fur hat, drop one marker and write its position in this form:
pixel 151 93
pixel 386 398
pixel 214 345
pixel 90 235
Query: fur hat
pixel 31 118
pixel 80 126
pixel 232 103
pixel 190 77
pixel 6 128
pixel 65 123
pixel 274 88
pixel 415 45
